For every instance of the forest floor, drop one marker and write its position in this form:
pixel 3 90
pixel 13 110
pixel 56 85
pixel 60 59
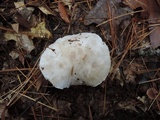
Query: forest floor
pixel 131 91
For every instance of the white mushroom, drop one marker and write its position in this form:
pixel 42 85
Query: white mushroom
pixel 76 59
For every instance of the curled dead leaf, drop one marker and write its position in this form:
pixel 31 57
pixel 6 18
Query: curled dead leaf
pixel 63 13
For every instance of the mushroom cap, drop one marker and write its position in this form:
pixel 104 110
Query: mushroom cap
pixel 75 60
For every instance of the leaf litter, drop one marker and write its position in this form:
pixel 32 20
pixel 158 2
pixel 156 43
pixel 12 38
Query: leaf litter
pixel 151 14
pixel 130 91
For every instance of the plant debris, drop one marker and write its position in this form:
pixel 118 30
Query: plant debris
pixel 151 14
pixel 40 31
pixel 22 40
pixel 63 13
pixel 130 28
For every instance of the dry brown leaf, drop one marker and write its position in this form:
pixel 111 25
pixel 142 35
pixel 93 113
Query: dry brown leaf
pixel 42 6
pixel 68 3
pixel 98 14
pixel 63 13
pixel 105 10
pixel 22 40
pixel 14 54
pixel 19 5
pixel 151 13
pixel 22 16
pixel 21 20
pixel 45 9
pixel 15 27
